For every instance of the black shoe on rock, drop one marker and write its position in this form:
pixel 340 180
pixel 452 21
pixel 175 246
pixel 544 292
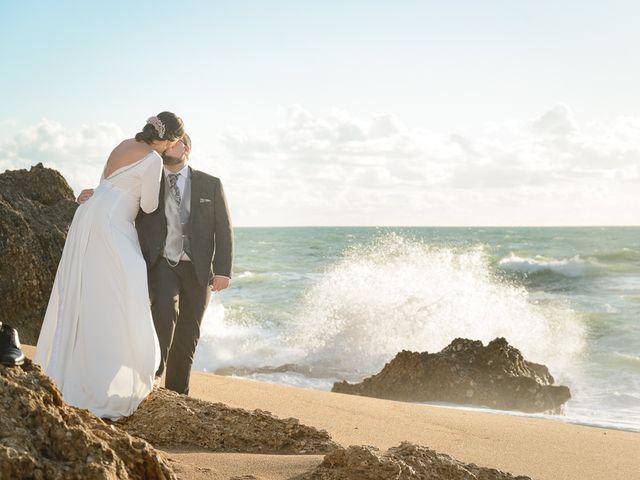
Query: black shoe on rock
pixel 10 351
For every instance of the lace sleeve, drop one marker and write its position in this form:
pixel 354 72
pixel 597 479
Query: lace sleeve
pixel 150 190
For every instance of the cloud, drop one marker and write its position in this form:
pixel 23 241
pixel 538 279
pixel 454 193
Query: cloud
pixel 343 169
pixel 517 172
pixel 557 121
pixel 79 154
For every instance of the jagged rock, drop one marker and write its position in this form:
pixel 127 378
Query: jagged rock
pixel 466 372
pixel 405 462
pixel 43 438
pixel 36 209
pixel 187 421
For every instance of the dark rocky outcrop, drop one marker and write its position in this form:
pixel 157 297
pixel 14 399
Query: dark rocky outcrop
pixel 43 438
pixel 466 372
pixel 405 462
pixel 36 209
pixel 217 427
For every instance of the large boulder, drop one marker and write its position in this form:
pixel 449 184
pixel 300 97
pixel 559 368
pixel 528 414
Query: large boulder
pixel 36 209
pixel 405 462
pixel 191 422
pixel 466 372
pixel 41 437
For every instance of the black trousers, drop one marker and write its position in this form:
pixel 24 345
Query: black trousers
pixel 178 303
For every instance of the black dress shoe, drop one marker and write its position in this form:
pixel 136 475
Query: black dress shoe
pixel 10 351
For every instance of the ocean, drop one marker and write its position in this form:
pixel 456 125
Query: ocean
pixel 339 302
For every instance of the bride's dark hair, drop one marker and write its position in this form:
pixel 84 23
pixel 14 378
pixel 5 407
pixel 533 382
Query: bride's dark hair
pixel 173 129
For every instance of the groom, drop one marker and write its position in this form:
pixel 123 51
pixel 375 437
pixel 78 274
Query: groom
pixel 187 243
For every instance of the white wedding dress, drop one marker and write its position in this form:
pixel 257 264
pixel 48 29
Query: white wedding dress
pixel 98 341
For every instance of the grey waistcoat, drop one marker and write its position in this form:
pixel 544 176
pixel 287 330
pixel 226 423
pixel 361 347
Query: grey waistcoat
pixel 176 245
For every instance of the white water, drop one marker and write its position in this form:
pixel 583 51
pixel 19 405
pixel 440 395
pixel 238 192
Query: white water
pixel 396 294
pixel 572 267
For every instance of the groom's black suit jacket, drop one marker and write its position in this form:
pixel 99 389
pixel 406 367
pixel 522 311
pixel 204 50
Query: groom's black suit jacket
pixel 209 228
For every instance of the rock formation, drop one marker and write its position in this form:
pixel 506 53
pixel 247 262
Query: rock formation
pixel 466 372
pixel 188 421
pixel 36 209
pixel 43 438
pixel 405 462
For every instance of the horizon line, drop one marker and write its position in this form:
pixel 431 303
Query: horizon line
pixel 438 226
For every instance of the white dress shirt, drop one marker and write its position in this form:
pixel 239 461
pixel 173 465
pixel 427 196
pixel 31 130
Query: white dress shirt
pixel 182 179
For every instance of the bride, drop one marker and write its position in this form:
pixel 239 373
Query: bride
pixel 98 341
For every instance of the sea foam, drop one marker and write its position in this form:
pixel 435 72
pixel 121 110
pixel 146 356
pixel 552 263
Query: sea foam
pixel 391 294
pixel 568 267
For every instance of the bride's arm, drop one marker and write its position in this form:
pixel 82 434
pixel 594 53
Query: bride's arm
pixel 150 190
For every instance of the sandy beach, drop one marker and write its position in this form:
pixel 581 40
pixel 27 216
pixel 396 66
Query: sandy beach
pixel 541 448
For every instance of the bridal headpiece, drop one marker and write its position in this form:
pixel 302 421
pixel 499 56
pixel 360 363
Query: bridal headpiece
pixel 158 125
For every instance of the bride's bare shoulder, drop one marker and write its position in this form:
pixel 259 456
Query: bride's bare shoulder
pixel 131 146
pixel 127 152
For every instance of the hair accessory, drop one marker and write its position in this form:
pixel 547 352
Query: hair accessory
pixel 157 123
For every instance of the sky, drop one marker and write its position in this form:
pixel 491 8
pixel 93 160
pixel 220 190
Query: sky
pixel 344 113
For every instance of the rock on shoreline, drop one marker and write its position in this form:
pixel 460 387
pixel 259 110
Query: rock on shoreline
pixel 41 437
pixel 466 372
pixel 217 427
pixel 404 462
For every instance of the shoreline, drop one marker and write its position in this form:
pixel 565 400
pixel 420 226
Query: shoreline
pixel 573 420
pixel 543 416
pixel 537 447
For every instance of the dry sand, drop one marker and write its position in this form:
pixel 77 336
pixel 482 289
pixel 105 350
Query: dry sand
pixel 540 448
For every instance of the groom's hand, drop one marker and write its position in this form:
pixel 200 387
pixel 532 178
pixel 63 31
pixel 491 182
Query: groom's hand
pixel 219 283
pixel 85 195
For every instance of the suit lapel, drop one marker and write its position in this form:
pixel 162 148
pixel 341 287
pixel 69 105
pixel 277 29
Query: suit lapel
pixel 195 196
pixel 195 184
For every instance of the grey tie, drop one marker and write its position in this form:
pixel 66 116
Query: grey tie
pixel 173 181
